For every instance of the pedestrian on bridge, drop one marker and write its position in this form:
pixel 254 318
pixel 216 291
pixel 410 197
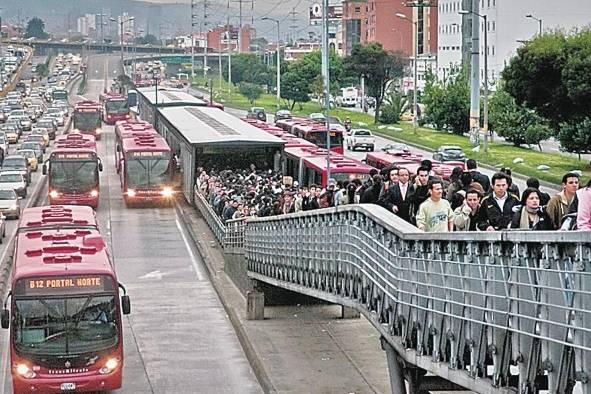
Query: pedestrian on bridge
pixel 531 215
pixel 465 216
pixel 584 208
pixel 435 214
pixel 560 204
pixel 396 198
pixel 496 210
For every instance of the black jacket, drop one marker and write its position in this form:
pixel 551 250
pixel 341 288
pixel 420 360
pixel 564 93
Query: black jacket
pixel 393 197
pixel 490 214
pixel 544 224
pixel 371 194
pixel 482 179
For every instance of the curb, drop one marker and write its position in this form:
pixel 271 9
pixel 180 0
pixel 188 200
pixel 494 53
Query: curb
pixel 184 211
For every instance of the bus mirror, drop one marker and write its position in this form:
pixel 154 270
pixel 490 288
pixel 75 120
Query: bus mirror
pixel 125 306
pixel 118 148
pixel 100 165
pixel 5 318
pixel 44 169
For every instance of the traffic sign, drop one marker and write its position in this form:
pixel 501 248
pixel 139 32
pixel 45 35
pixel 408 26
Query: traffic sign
pixel 175 59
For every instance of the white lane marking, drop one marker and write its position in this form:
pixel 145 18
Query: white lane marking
pixel 198 271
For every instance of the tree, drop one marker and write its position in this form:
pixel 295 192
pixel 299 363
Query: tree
pixel 36 28
pixel 378 66
pixel 447 105
pixel 251 91
pixel 148 39
pixel 294 88
pixel 247 67
pixel 550 76
pixel 392 108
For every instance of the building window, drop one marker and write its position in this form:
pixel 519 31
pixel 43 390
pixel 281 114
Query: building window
pixel 493 50
pixel 357 10
pixel 494 25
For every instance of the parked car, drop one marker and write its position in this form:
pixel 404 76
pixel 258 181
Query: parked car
pixel 9 205
pixel 360 138
pixel 449 153
pixel 281 115
pixel 13 180
pixel 257 113
pixel 32 158
pixel 17 163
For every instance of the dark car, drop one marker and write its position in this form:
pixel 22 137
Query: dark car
pixel 257 113
pixel 449 153
pixel 48 124
pixel 17 163
pixel 282 115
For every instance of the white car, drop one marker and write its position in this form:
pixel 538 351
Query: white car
pixel 13 180
pixel 56 113
pixel 360 138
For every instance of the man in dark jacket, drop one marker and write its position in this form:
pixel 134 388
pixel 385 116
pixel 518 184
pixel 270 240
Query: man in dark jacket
pixel 419 191
pixel 372 193
pixel 477 176
pixel 396 198
pixel 496 209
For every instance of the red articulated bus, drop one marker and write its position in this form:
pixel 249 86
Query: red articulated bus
pixel 308 166
pixel 411 162
pixel 73 168
pixel 114 106
pixel 87 118
pixel 144 163
pixel 316 134
pixel 65 311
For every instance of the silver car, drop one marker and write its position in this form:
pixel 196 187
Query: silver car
pixel 13 180
pixel 9 205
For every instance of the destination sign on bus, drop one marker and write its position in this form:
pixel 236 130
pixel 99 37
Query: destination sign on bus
pixel 87 110
pixel 73 155
pixel 146 154
pixel 65 284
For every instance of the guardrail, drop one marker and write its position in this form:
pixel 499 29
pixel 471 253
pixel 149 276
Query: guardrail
pixel 473 308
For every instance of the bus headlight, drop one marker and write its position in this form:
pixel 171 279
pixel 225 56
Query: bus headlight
pixel 53 194
pixel 109 366
pixel 94 193
pixel 24 371
pixel 75 131
pixel 130 193
pixel 98 131
pixel 167 192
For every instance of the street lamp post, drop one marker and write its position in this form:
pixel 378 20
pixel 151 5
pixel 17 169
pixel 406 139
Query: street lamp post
pixel 121 23
pixel 485 117
pixel 530 16
pixel 415 24
pixel 278 61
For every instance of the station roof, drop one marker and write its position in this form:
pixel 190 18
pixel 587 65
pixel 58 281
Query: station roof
pixel 209 125
pixel 170 97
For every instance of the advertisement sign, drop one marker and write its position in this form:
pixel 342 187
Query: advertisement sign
pixel 335 14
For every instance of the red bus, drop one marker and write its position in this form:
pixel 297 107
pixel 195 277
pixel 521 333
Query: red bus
pixel 308 166
pixel 65 309
pixel 146 168
pixel 87 118
pixel 288 124
pixel 127 129
pixel 411 162
pixel 73 168
pixel 316 134
pixel 114 106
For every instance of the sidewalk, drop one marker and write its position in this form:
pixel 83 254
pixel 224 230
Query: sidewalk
pixel 296 349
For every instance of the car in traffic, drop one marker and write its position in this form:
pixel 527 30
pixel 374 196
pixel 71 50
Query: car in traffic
pixel 9 204
pixel 43 132
pixel 282 115
pixel 17 163
pixel 360 138
pixel 50 125
pixel 11 134
pixel 397 149
pixel 449 153
pixel 257 113
pixel 31 157
pixel 56 113
pixel 34 146
pixel 13 180
pixel 3 142
pixel 36 138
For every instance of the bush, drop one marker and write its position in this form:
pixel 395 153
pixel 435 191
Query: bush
pixel 251 91
pixel 392 108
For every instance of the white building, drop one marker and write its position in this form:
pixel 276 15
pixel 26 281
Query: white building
pixel 426 63
pixel 86 25
pixel 507 28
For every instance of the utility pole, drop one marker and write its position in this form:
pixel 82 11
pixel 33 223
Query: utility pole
pixel 240 27
pixel 206 38
pixel 326 82
pixel 293 25
pixel 475 73
pixel 229 43
pixel 193 24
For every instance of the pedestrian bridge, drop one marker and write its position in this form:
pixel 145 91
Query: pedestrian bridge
pixel 492 312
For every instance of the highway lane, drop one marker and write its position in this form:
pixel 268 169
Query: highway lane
pixel 177 338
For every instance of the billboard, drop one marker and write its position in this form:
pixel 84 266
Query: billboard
pixel 335 14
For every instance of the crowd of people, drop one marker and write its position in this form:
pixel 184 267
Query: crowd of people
pixel 468 201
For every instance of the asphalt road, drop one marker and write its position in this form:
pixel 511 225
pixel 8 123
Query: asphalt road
pixel 178 338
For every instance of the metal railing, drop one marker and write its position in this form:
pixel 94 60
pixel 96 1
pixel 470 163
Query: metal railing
pixel 475 308
pixel 230 235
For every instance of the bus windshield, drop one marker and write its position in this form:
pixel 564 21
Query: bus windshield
pixel 57 326
pixel 86 120
pixel 117 107
pixel 74 175
pixel 60 95
pixel 145 172
pixel 319 138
